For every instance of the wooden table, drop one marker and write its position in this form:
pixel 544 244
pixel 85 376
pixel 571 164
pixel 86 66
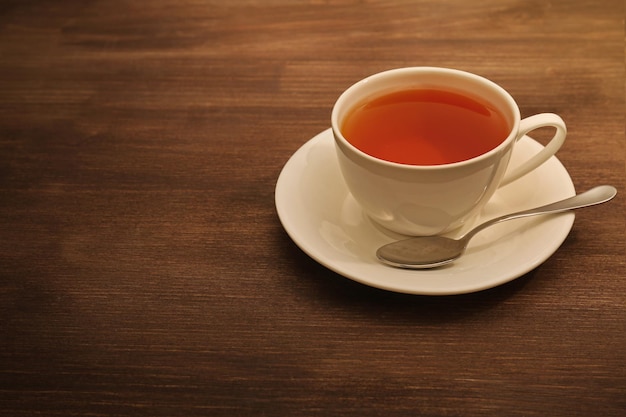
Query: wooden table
pixel 143 267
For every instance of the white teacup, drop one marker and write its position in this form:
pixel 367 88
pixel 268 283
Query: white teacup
pixel 432 199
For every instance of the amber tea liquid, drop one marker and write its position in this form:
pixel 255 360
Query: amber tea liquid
pixel 425 127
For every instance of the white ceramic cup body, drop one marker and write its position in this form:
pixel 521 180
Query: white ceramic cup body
pixel 426 200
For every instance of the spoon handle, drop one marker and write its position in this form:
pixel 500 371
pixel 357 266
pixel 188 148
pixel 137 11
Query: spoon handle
pixel 597 195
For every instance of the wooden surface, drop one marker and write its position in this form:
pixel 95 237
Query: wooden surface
pixel 143 268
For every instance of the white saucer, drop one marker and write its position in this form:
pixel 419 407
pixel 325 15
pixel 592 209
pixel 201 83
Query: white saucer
pixel 322 218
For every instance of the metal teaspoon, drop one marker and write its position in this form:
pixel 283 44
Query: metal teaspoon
pixel 431 251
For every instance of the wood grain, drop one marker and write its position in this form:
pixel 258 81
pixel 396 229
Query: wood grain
pixel 143 269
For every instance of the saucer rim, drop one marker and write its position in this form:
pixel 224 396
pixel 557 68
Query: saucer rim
pixel 565 223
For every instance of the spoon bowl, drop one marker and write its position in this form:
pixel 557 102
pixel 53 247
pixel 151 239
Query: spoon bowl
pixel 425 252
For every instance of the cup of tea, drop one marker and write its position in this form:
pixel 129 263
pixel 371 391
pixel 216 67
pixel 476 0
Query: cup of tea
pixel 422 149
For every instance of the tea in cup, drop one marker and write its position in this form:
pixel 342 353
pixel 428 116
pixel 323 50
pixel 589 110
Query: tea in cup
pixel 423 149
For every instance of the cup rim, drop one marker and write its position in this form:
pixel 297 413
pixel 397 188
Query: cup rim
pixel 338 135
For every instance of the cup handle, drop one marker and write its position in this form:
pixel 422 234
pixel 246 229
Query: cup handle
pixel 531 123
